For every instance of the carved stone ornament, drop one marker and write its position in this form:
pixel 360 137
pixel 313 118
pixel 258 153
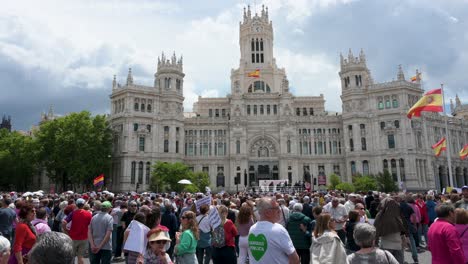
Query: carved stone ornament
pixel 263 147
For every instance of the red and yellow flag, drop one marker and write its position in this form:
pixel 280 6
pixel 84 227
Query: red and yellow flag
pixel 439 147
pixel 430 102
pixel 464 152
pixel 254 74
pixel 99 180
pixel 416 77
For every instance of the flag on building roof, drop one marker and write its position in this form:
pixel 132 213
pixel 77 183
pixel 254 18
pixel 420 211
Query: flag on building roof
pixel 99 180
pixel 439 147
pixel 416 77
pixel 254 74
pixel 430 102
pixel 464 152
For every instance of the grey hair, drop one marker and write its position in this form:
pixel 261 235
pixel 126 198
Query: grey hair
pixel 55 244
pixel 63 204
pixel 297 207
pixel 264 204
pixel 97 205
pixel 5 245
pixel 364 235
pixel 281 201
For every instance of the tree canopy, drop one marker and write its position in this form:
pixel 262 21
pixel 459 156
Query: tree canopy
pixel 75 148
pixel 165 177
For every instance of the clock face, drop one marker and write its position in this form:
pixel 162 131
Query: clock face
pixel 258 29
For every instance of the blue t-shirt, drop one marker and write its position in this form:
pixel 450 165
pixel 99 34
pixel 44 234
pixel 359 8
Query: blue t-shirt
pixel 7 217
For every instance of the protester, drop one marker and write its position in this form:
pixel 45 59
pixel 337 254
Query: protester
pixel 100 234
pixel 186 241
pixel 353 220
pixel 25 234
pixel 156 252
pixel 408 213
pixel 227 253
pixel 52 248
pixel 327 247
pixel 284 216
pixel 444 240
pixel 204 243
pixel 135 238
pixel 40 223
pixel 59 215
pixel 300 241
pixel 5 248
pixel 269 242
pixel 169 220
pixel 390 228
pixel 463 203
pixel 350 203
pixel 116 214
pixel 339 215
pixel 431 205
pixel 7 218
pixel 461 225
pixel 78 231
pixel 365 235
pixel 244 222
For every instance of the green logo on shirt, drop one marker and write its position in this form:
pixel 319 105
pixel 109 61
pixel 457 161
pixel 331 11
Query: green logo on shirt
pixel 258 246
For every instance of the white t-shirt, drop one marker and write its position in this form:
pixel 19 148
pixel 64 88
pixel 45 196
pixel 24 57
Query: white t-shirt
pixel 269 243
pixel 136 240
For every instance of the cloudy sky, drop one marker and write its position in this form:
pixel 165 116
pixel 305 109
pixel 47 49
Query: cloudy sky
pixel 64 53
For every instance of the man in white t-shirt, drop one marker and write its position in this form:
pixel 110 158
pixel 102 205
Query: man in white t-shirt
pixel 338 215
pixel 269 242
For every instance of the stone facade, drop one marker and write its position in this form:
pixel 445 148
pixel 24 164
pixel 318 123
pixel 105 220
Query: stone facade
pixel 262 131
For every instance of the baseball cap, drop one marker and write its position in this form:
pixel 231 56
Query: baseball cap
pixel 80 201
pixel 465 187
pixel 106 205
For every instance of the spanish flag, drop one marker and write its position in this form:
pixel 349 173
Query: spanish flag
pixel 464 152
pixel 254 74
pixel 99 180
pixel 439 147
pixel 430 102
pixel 416 77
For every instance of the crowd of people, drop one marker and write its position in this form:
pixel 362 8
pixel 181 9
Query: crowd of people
pixel 304 227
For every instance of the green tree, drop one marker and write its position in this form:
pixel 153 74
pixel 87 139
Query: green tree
pixel 386 183
pixel 75 148
pixel 345 186
pixel 166 175
pixel 334 181
pixel 200 180
pixel 364 183
pixel 18 160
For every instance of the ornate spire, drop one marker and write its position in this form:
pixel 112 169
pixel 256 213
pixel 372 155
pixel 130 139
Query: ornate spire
pixel 50 114
pixel 400 75
pixel 114 82
pixel 457 101
pixel 249 13
pixel 266 13
pixel 451 106
pixel 129 77
pixel 350 56
pixel 341 59
pixel 362 56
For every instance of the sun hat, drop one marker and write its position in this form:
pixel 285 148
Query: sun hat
pixel 159 236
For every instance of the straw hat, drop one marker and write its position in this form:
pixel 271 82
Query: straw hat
pixel 159 236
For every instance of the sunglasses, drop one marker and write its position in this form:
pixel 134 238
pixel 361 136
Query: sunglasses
pixel 159 242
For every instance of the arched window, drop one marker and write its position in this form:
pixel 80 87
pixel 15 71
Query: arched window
pixel 166 146
pixel 140 172
pixel 385 164
pixel 148 172
pixel 394 169
pixel 395 103
pixel 402 170
pixel 252 45
pixel 258 86
pixel 257 45
pixel 142 107
pixel 363 143
pixel 387 103
pixel 261 44
pixel 351 144
pixel 133 173
pixel 288 146
pixel 365 167
pixel 178 84
pixel 238 147
pixel 148 108
pixel 136 106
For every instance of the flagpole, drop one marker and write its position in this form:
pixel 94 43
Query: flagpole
pixel 449 160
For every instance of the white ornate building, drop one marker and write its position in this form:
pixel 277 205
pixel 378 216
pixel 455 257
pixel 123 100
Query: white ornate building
pixel 262 131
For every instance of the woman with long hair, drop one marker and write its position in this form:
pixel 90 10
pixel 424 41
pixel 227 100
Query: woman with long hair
pixel 227 253
pixel 326 245
pixel 25 235
pixel 204 243
pixel 353 220
pixel 135 240
pixel 186 241
pixel 390 227
pixel 244 222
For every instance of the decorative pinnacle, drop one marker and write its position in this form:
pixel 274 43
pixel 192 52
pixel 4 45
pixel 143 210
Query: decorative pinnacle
pixel 129 77
pixel 400 75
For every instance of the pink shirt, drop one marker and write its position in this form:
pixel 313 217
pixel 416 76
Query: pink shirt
pixel 463 234
pixel 444 243
pixel 41 226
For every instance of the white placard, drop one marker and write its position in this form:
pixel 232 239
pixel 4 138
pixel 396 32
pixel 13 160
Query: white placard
pixel 202 201
pixel 214 218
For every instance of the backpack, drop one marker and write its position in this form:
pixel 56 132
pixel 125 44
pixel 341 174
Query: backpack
pixel 217 237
